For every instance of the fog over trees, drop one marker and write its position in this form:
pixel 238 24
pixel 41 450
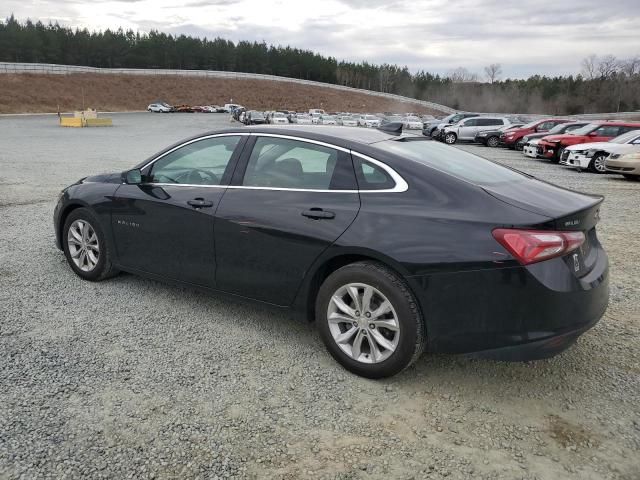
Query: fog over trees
pixel 604 84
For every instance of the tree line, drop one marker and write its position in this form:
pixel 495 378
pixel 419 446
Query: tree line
pixel 605 84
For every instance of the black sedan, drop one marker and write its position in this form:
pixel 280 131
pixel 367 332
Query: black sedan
pixel 491 138
pixel 393 244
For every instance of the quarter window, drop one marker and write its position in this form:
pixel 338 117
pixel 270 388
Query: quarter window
pixel 283 163
pixel 371 177
pixel 203 162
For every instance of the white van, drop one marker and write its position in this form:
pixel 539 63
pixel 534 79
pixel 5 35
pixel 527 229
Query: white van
pixel 229 107
pixel 318 111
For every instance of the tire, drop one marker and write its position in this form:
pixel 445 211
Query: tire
pixel 493 141
pixel 518 146
pixel 450 138
pixel 406 343
pixel 103 267
pixel 596 165
pixel 556 158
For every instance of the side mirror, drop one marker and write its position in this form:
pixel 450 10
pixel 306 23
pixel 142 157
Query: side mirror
pixel 132 177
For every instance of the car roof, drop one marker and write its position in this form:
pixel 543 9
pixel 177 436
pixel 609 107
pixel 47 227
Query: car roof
pixel 327 133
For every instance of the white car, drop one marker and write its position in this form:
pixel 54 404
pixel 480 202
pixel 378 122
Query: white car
pixel 301 119
pixel 411 123
pixel 531 148
pixel 592 156
pixel 347 121
pixel 278 118
pixel 468 128
pixel 159 108
pixel 327 120
pixel 315 118
pixel 368 121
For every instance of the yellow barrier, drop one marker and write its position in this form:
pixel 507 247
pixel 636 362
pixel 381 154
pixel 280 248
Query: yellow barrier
pixel 71 122
pixel 98 122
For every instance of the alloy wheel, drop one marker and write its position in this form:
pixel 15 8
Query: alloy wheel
pixel 450 138
pixel 363 323
pixel 493 141
pixel 598 163
pixel 83 244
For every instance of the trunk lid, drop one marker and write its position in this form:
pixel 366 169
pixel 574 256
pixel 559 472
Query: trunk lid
pixel 566 210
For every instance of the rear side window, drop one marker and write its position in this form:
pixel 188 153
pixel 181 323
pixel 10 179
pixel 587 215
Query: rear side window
pixel 485 122
pixel 370 176
pixel 452 161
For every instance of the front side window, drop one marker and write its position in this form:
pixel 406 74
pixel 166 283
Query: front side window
pixel 283 163
pixel 198 163
pixel 607 131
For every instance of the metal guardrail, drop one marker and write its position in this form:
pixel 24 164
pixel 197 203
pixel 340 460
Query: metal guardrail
pixel 54 69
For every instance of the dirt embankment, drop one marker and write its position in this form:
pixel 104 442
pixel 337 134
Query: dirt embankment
pixel 24 93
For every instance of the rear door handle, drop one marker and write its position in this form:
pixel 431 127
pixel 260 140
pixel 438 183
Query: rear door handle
pixel 318 213
pixel 200 203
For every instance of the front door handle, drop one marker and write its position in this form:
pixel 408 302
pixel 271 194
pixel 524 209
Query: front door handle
pixel 200 203
pixel 318 213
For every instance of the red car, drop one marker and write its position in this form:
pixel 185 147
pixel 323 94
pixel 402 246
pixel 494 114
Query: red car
pixel 512 138
pixel 552 146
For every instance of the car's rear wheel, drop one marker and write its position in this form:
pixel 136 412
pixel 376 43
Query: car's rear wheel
pixel 369 320
pixel 450 138
pixel 596 165
pixel 493 141
pixel 85 246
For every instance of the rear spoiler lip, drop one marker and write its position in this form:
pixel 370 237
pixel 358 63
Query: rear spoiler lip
pixel 556 222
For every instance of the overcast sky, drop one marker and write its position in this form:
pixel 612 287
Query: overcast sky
pixel 526 37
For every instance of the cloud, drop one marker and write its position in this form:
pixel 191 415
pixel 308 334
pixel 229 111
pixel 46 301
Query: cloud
pixel 545 37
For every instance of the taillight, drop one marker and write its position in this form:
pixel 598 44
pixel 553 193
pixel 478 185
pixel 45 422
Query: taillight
pixel 531 246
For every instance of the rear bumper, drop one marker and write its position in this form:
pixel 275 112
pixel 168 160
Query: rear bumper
pixel 521 313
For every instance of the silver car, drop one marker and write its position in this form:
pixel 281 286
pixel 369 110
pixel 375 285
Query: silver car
pixel 467 129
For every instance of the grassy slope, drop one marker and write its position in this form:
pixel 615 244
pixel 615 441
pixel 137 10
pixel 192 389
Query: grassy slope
pixel 47 93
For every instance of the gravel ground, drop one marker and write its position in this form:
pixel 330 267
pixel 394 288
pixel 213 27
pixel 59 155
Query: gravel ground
pixel 130 378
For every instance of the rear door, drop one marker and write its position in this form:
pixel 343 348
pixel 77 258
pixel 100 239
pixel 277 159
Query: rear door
pixel 165 226
pixel 290 199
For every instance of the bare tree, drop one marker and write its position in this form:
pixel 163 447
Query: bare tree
pixel 462 75
pixel 589 66
pixel 607 66
pixel 630 66
pixel 493 71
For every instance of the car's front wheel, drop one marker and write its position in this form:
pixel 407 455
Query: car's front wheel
pixel 85 246
pixel 450 138
pixel 369 320
pixel 596 165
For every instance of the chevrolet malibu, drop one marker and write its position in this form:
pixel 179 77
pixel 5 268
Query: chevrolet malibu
pixel 394 244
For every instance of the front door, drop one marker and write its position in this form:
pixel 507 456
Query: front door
pixel 165 226
pixel 289 201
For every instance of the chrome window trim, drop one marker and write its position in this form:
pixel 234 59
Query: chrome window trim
pixel 400 183
pixel 193 140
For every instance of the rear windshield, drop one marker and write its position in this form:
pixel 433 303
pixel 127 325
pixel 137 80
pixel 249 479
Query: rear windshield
pixel 453 161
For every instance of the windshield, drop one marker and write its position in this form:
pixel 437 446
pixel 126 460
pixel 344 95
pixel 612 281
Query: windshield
pixel 370 117
pixel 278 114
pixel 347 117
pixel 452 161
pixel 413 119
pixel 257 114
pixel 625 137
pixel 328 117
pixel 530 124
pixel 586 129
pixel 558 129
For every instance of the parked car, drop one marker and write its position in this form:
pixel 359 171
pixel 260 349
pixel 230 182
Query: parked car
pixel 230 107
pixel 592 156
pixel 327 120
pixel 254 117
pixel 316 111
pixel 552 146
pixel 411 123
pixel 430 127
pixel 491 138
pixel 315 118
pixel 347 121
pixel 467 129
pixel 302 119
pixel 183 108
pixel 626 164
pixel 278 118
pixel 354 238
pixel 530 141
pixel 513 138
pixel 368 121
pixel 160 107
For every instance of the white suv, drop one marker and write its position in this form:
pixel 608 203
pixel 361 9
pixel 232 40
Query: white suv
pixel 468 128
